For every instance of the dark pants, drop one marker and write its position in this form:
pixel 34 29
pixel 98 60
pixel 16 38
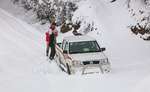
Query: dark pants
pixel 52 46
pixel 47 50
pixel 53 52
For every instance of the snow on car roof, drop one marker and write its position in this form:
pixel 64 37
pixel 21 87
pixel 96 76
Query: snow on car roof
pixel 79 38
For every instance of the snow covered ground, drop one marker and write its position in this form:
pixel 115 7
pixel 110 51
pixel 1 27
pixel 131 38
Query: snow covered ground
pixel 24 67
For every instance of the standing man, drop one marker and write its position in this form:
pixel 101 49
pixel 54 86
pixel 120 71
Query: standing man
pixel 51 40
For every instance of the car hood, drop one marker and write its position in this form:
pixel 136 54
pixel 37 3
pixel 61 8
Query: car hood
pixel 88 56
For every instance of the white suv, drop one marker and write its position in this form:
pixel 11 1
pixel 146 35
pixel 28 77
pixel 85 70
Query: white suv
pixel 80 53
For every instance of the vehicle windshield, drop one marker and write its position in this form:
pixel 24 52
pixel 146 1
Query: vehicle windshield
pixel 83 47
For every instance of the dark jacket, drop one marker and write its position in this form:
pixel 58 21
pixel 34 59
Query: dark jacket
pixel 52 40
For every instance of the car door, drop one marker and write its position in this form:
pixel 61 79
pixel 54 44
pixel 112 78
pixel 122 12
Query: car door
pixel 61 56
pixel 65 48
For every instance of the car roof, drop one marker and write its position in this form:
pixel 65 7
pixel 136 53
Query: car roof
pixel 79 38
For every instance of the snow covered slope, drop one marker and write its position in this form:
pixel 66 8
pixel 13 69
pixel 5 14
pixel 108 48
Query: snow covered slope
pixel 112 21
pixel 23 65
pixel 22 57
pixel 116 35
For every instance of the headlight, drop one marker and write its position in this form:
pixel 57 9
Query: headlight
pixel 76 62
pixel 104 61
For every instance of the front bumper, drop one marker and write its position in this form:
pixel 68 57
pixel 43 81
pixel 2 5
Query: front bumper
pixel 103 65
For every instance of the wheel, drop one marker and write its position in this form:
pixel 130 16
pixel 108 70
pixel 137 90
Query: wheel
pixel 68 69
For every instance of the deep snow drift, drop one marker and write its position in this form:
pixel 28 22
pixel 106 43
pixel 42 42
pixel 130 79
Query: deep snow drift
pixel 22 57
pixel 24 67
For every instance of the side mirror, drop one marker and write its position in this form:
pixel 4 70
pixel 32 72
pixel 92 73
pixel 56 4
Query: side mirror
pixel 102 49
pixel 59 44
pixel 65 52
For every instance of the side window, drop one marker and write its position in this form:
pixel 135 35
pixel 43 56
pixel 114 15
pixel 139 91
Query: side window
pixel 59 44
pixel 66 48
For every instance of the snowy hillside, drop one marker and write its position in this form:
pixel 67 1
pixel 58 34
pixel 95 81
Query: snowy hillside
pixel 24 67
pixel 19 56
pixel 112 23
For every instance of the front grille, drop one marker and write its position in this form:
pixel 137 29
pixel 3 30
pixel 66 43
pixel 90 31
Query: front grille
pixel 86 62
pixel 95 62
pixel 90 62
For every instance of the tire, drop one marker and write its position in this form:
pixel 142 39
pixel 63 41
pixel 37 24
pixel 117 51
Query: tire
pixel 68 69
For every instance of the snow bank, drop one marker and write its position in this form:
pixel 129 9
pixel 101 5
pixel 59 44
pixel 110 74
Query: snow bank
pixel 20 55
pixel 143 86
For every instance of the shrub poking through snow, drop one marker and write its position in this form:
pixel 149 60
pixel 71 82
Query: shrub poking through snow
pixel 140 11
pixel 143 31
pixel 66 27
pixel 112 1
pixel 70 26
